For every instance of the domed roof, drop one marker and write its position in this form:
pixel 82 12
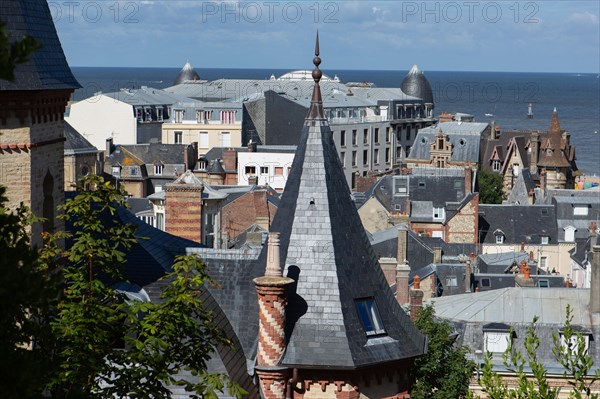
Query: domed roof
pixel 187 73
pixel 415 84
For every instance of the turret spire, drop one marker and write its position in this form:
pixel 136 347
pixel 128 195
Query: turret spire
pixel 315 111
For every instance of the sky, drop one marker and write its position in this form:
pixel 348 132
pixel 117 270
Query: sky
pixel 505 36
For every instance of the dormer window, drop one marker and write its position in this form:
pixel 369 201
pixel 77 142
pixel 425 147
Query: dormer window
pixel 496 166
pixel 499 234
pixel 570 233
pixel 178 115
pixel 148 113
pixel 138 115
pixel 159 114
pixel 116 171
pixel 158 169
pixel 439 213
pixel 572 344
pixel 545 240
pixel 369 316
pixel 497 337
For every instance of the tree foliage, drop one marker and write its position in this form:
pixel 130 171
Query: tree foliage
pixel 531 376
pixel 490 187
pixel 444 372
pixel 102 343
pixel 12 54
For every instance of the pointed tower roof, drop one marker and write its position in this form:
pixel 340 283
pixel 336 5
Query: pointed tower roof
pixel 324 247
pixel 187 73
pixel 47 69
pixel 416 84
pixel 551 154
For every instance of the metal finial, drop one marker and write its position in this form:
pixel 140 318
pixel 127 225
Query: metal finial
pixel 317 74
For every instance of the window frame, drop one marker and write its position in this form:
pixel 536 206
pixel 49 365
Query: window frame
pixel 369 316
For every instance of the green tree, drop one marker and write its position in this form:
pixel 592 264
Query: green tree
pixel 26 294
pixel 16 53
pixel 533 383
pixel 490 187
pixel 444 372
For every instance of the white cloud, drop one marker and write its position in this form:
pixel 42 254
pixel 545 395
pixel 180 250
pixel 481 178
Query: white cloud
pixel 584 18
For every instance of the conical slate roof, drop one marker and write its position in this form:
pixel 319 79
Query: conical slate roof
pixel 552 154
pixel 325 249
pixel 416 84
pixel 187 73
pixel 47 69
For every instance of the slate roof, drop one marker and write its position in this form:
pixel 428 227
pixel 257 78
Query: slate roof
pixel 75 143
pixel 518 223
pixel 146 96
pixel 523 185
pixel 148 154
pixel 325 249
pixel 47 68
pixel 465 138
pixel 416 84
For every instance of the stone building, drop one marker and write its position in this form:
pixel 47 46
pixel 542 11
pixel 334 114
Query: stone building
pixel 31 115
pixel 81 157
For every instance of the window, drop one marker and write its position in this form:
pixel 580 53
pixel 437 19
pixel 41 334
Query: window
pixel 148 113
pixel 543 284
pixel 278 171
pixel 133 171
pixel 499 239
pixel 438 213
pixel 573 343
pixel 138 115
pixel 545 240
pixel 343 138
pixel 376 135
pixel 397 207
pixel 158 189
pixel 496 166
pixel 250 170
pixel 366 136
pixel 160 221
pixel 408 133
pixel 496 341
pixel 543 261
pixel 580 211
pixel 376 156
pixel 264 170
pixel 353 158
pixel 421 184
pixel 570 233
pixel 388 135
pixel 354 137
pixel 365 157
pixel 158 169
pixel 515 169
pixel 387 155
pixel 159 114
pixel 225 139
pixel 407 150
pixel 369 316
pixel 203 139
pixel 116 171
pixel 178 115
pixel 485 282
pixel 343 158
pixel 178 137
pixel 451 281
pixel 227 117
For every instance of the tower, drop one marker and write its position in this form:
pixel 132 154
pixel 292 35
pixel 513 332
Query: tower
pixel 31 116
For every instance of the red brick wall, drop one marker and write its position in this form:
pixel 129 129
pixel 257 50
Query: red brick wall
pixel 245 211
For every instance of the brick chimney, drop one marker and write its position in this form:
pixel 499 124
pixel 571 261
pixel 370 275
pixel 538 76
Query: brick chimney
pixel 183 207
pixel 229 159
pixel 416 298
pixel 468 180
pixel 272 300
pixel 437 255
pixel 402 272
pixel 402 243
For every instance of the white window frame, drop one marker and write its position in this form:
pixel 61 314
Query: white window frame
pixel 203 139
pixel 545 240
pixel 158 169
pixel 496 341
pixel 225 138
pixel 499 239
pixel 439 213
pixel 580 211
pixel 178 137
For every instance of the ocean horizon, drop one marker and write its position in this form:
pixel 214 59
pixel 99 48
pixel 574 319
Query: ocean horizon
pixel 506 95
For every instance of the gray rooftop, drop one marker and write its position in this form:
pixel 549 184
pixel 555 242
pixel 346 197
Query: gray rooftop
pixel 47 69
pixel 464 136
pixel 147 96
pixel 75 143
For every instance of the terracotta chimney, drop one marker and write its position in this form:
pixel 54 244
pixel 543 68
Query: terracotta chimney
pixel 272 299
pixel 437 254
pixel 416 298
pixel 402 272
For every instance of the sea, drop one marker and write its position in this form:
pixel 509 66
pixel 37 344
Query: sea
pixel 500 96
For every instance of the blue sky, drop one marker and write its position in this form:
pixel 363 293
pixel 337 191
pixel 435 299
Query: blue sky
pixel 536 36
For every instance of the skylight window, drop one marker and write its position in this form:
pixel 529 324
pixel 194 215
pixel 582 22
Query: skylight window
pixel 369 316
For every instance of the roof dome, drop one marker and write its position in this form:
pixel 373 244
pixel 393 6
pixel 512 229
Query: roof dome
pixel 416 84
pixel 187 73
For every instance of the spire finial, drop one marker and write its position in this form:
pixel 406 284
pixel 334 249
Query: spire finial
pixel 317 74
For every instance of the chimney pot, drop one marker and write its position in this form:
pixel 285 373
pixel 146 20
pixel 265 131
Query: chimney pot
pixel 273 268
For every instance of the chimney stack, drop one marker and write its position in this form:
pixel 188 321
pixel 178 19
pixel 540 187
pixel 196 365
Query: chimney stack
pixel 109 146
pixel 416 298
pixel 468 277
pixel 437 255
pixel 183 207
pixel 272 299
pixel 534 145
pixel 251 146
pixel 402 243
pixel 468 180
pixel 229 159
pixel 402 272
